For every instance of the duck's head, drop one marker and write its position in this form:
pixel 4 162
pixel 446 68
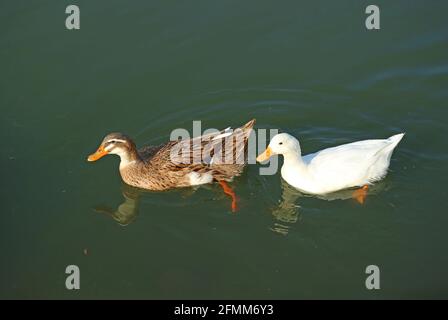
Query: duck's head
pixel 114 143
pixel 281 143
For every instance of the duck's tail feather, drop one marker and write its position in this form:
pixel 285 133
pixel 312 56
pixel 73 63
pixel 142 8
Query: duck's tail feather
pixel 249 125
pixel 395 139
pixel 390 146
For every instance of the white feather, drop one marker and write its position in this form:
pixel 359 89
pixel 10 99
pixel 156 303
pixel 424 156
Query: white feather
pixel 199 178
pixel 227 132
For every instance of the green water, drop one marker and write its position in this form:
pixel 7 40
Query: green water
pixel 309 68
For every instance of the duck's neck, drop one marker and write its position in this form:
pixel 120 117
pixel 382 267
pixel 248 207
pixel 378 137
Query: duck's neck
pixel 294 160
pixel 130 157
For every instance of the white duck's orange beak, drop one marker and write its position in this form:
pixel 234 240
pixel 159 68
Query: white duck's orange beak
pixel 265 155
pixel 101 152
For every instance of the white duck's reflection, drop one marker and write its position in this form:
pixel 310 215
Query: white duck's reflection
pixel 287 212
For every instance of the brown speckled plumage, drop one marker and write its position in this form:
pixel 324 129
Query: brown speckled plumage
pixel 155 167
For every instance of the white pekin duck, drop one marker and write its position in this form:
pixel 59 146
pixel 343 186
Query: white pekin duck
pixel 356 164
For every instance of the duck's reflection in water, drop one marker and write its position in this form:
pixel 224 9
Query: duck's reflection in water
pixel 287 212
pixel 127 211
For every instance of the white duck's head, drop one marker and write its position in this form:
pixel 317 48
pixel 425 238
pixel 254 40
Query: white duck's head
pixel 282 143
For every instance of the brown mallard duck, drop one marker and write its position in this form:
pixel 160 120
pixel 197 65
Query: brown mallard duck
pixel 215 157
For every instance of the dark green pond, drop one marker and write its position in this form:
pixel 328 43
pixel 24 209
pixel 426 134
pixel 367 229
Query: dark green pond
pixel 310 68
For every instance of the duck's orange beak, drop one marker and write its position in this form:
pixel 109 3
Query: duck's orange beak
pixel 265 155
pixel 101 152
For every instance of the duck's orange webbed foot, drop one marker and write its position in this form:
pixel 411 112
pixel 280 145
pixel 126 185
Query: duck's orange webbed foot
pixel 361 194
pixel 228 190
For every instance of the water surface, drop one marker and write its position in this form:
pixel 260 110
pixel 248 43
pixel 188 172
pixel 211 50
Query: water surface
pixel 309 68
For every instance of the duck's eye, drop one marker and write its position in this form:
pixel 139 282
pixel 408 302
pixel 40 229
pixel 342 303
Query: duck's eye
pixel 280 143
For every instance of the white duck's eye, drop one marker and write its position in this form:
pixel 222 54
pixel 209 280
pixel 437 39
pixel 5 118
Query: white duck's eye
pixel 280 143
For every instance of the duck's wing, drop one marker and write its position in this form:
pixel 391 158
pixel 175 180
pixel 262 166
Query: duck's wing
pixel 224 150
pixel 359 150
pixel 147 152
pixel 227 146
pixel 356 161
